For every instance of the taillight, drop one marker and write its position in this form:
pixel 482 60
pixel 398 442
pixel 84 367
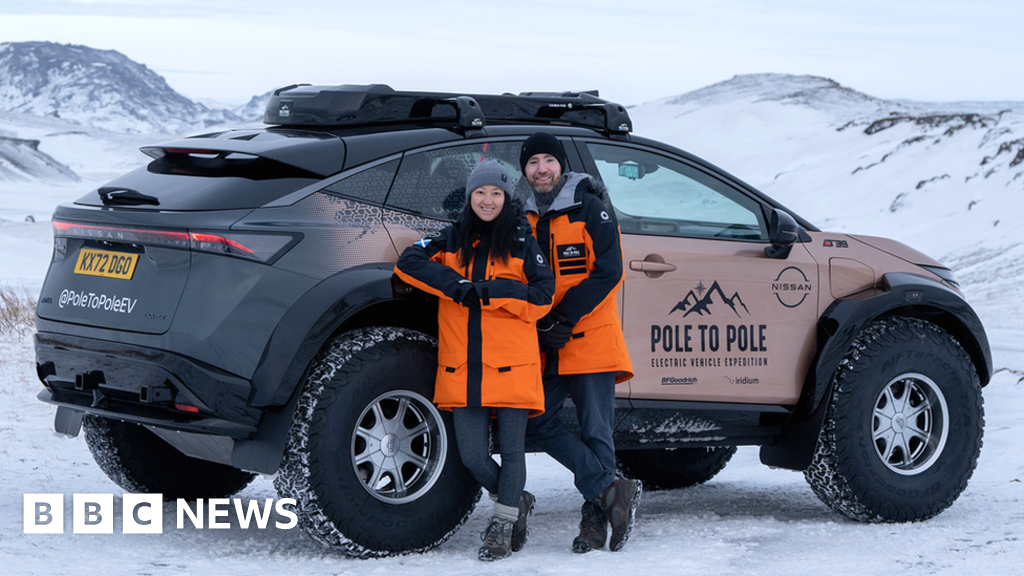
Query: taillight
pixel 260 247
pixel 146 236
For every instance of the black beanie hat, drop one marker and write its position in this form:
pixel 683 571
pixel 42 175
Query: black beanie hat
pixel 542 143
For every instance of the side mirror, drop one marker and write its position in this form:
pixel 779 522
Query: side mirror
pixel 783 232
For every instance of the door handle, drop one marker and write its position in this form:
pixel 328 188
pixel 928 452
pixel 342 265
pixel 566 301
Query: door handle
pixel 650 266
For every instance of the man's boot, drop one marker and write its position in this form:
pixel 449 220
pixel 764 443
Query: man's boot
pixel 497 540
pixel 593 529
pixel 519 530
pixel 619 501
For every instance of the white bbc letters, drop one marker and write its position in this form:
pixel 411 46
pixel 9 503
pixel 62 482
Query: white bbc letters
pixel 142 514
pixel 92 514
pixel 44 514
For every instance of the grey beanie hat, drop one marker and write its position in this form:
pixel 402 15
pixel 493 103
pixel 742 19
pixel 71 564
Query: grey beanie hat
pixel 489 172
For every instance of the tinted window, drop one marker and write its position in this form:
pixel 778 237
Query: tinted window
pixel 190 192
pixel 370 185
pixel 660 196
pixel 433 183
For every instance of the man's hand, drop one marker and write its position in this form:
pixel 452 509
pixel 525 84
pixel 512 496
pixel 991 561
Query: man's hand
pixel 553 331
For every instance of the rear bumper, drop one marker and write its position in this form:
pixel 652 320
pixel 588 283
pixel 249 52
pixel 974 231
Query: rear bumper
pixel 142 385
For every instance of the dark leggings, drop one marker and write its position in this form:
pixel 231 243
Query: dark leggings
pixel 472 433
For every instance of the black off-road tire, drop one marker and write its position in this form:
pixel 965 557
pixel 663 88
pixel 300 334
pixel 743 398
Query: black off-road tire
pixel 365 407
pixel 904 426
pixel 137 460
pixel 671 468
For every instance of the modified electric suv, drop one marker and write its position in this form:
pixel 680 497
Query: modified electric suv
pixel 229 309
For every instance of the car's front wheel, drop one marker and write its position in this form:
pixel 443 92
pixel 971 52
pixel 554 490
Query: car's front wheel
pixel 903 429
pixel 370 460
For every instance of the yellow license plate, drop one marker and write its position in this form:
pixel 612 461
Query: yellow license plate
pixel 107 264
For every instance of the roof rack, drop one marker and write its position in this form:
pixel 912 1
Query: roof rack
pixel 360 105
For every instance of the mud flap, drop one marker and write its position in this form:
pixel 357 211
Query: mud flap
pixel 67 421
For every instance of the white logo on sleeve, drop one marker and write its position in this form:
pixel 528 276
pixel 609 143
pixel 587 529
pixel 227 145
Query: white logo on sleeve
pixel 604 215
pixel 422 243
pixel 540 259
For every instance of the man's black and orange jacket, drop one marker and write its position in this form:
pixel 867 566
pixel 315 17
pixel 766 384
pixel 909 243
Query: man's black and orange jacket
pixel 487 356
pixel 580 236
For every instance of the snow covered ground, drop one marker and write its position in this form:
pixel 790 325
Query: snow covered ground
pixel 749 519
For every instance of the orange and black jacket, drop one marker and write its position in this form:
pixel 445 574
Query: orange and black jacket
pixel 487 356
pixel 580 236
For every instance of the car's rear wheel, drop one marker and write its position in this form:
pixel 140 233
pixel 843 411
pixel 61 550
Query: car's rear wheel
pixel 370 460
pixel 903 430
pixel 137 460
pixel 671 468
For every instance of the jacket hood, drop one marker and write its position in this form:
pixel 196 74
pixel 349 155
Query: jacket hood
pixel 570 191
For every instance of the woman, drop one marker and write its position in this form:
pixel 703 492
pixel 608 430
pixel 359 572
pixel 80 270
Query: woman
pixel 493 284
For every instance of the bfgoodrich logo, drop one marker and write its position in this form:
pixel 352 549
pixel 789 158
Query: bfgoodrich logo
pixel 144 513
pixel 675 381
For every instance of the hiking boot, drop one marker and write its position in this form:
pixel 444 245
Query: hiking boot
pixel 593 529
pixel 519 530
pixel 497 540
pixel 619 501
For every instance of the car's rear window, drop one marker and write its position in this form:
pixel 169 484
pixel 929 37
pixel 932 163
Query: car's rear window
pixel 196 187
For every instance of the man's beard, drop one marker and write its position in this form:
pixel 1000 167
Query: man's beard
pixel 546 187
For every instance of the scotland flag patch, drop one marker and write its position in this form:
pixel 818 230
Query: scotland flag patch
pixel 422 243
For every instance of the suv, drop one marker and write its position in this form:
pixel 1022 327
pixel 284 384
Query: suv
pixel 229 309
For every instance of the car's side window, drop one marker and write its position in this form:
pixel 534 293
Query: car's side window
pixel 370 185
pixel 660 196
pixel 433 183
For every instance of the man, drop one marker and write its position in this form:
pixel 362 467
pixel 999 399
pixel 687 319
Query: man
pixel 585 352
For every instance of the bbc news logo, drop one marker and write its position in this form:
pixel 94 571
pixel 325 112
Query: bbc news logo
pixel 144 514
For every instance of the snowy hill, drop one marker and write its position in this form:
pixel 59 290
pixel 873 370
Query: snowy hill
pixel 67 152
pixel 810 91
pixel 99 88
pixel 253 110
pixel 809 141
pixel 21 160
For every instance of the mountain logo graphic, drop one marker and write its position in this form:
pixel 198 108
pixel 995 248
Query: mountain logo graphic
pixel 700 302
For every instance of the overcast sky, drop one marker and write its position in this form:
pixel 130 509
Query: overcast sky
pixel 632 51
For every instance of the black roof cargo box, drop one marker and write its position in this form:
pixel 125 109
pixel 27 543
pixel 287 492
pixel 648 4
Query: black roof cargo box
pixel 356 105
